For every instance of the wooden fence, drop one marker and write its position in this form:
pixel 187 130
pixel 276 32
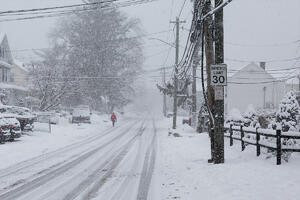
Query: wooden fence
pixel 254 137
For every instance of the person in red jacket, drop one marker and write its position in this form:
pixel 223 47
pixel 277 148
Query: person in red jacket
pixel 113 118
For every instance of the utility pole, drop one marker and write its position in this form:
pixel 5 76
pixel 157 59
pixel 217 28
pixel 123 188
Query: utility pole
pixel 209 56
pixel 194 86
pixel 164 97
pixel 195 63
pixel 177 22
pixel 219 103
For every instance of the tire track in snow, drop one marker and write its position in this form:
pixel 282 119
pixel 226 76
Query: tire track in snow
pixel 92 192
pixel 13 169
pixel 27 187
pixel 148 168
pixel 128 181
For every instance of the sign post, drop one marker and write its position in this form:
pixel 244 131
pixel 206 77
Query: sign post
pixel 218 81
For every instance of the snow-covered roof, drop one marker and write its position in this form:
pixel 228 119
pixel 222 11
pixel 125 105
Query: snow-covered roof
pixel 20 65
pixel 252 73
pixel 252 67
pixel 5 64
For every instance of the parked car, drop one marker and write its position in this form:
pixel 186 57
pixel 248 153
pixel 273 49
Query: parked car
pixel 45 117
pixel 23 115
pixel 14 126
pixel 81 114
pixel 5 135
pixel 9 129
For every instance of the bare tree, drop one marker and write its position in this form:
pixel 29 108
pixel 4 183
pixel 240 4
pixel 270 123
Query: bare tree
pixel 94 60
pixel 103 55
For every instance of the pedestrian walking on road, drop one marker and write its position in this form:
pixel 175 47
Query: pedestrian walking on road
pixel 113 118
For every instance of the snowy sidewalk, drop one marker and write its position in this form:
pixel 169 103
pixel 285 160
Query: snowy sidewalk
pixel 185 173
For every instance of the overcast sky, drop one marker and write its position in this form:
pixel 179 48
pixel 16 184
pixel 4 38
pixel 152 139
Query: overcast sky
pixel 255 30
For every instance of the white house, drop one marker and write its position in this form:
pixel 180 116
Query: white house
pixel 253 85
pixel 12 92
pixel 19 74
pixel 6 59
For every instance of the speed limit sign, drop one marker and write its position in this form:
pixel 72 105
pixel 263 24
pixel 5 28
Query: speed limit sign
pixel 218 76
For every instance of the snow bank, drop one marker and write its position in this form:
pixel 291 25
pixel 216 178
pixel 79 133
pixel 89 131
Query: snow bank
pixel 183 172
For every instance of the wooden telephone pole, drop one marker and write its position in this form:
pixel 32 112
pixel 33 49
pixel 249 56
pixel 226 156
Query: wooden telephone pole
pixel 219 103
pixel 209 55
pixel 165 96
pixel 216 76
pixel 177 22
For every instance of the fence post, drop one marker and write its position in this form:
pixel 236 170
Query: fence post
pixel 257 142
pixel 231 133
pixel 242 136
pixel 49 125
pixel 2 137
pixel 278 146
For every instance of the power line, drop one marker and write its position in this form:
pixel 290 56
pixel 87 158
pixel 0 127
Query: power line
pixel 182 8
pixel 264 45
pixel 67 12
pixel 55 7
pixel 259 45
pixel 268 61
pixel 70 46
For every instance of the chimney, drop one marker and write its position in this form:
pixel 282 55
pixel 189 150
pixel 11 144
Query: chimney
pixel 263 65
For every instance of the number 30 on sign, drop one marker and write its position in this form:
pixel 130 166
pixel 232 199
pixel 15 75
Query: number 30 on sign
pixel 218 75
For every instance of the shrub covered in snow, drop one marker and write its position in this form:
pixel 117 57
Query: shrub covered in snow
pixel 235 116
pixel 288 112
pixel 286 120
pixel 251 117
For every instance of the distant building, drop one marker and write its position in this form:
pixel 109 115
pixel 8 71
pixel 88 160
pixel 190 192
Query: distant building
pixel 6 59
pixel 253 85
pixel 11 91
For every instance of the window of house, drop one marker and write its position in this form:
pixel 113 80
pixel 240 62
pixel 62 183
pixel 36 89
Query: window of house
pixel 2 52
pixel 5 75
pixel 1 72
pixel 4 71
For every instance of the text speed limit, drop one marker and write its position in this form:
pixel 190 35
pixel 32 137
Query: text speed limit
pixel 218 75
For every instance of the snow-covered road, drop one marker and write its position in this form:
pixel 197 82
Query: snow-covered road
pixel 116 163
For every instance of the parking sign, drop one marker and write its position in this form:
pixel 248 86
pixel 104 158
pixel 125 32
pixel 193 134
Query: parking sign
pixel 218 76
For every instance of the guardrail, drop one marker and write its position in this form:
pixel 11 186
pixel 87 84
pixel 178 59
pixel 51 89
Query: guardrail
pixel 259 142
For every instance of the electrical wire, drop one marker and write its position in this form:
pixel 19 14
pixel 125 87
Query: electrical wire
pixel 68 12
pixel 268 61
pixel 181 8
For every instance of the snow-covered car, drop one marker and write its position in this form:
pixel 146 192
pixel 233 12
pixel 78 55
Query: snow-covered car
pixel 81 114
pixel 23 115
pixel 4 133
pixel 14 126
pixel 45 117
